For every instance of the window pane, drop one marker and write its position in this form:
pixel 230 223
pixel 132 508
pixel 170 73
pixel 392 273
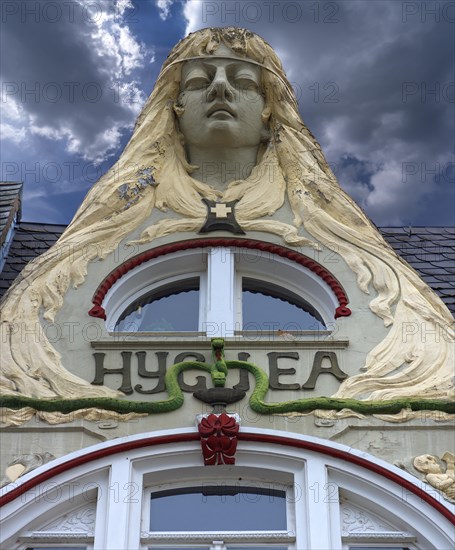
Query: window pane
pixel 229 547
pixel 227 509
pixel 269 307
pixel 172 309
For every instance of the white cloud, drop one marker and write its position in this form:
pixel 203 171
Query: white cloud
pixel 12 109
pixel 192 14
pixel 123 5
pixel 113 40
pixel 130 94
pixel 389 193
pixel 16 134
pixel 104 145
pixel 49 132
pixel 14 121
pixel 95 54
pixel 164 7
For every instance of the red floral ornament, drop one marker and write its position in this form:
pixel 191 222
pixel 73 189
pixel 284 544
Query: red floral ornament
pixel 218 439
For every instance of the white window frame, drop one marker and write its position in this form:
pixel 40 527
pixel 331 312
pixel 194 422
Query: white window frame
pixel 125 478
pixel 62 544
pixel 163 538
pixel 371 545
pixel 52 506
pixel 152 275
pixel 220 285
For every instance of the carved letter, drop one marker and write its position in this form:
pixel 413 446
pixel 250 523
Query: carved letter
pixel 144 373
pixel 276 372
pixel 125 371
pixel 201 383
pixel 317 369
pixel 244 383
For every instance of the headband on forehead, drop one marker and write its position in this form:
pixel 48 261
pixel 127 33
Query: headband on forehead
pixel 199 57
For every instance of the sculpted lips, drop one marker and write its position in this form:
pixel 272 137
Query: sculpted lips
pixel 220 109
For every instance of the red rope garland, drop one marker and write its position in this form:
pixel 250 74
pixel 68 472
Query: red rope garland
pixel 341 311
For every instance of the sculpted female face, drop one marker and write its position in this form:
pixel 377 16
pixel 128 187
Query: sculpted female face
pixel 222 102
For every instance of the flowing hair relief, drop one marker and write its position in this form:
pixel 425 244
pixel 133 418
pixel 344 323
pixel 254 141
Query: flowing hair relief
pixel 124 198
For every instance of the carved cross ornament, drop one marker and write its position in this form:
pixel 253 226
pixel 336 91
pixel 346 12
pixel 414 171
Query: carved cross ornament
pixel 221 210
pixel 221 216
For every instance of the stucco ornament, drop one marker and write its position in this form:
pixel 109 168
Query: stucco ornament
pixel 435 475
pixel 23 464
pixel 171 178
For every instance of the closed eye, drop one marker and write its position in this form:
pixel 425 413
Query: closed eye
pixel 246 83
pixel 197 83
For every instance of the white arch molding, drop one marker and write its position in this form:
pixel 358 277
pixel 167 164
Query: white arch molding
pixel 337 497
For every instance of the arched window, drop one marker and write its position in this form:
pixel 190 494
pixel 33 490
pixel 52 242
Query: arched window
pixel 151 491
pixel 268 306
pixel 171 308
pixel 220 291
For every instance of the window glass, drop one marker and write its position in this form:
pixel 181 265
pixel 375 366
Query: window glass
pixel 266 306
pixel 171 308
pixel 228 547
pixel 218 509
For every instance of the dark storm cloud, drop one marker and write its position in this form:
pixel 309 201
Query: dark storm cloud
pixel 70 77
pixel 375 83
pixel 374 79
pixel 66 72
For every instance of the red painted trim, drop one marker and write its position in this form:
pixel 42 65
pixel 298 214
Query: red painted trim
pixel 242 436
pixel 341 311
pixel 95 455
pixel 343 455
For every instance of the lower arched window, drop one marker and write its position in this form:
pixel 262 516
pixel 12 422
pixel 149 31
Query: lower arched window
pixel 149 492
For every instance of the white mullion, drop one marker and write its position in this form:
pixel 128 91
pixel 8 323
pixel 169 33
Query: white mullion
pixel 319 493
pixel 297 506
pixel 203 301
pixel 102 504
pixel 118 506
pixel 238 299
pixel 335 514
pixel 220 318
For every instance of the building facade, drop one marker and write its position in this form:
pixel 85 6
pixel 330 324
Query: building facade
pixel 199 362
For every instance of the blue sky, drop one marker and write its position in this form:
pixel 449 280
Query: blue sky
pixel 374 80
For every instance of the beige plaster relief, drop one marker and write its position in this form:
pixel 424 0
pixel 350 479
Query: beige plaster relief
pixel 157 171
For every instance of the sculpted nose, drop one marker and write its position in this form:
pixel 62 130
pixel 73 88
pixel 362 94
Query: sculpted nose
pixel 220 88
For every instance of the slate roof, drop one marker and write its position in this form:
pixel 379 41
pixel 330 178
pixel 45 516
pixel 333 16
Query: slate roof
pixel 30 240
pixel 429 250
pixel 10 204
